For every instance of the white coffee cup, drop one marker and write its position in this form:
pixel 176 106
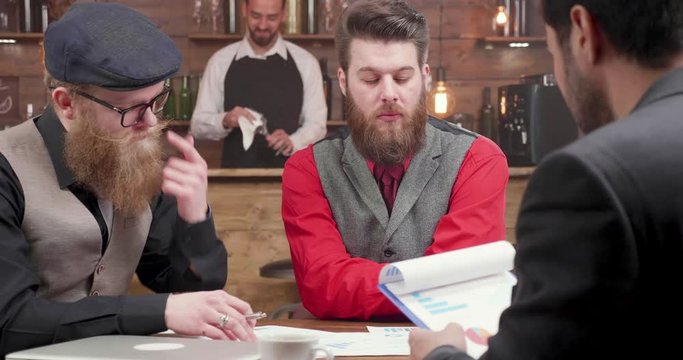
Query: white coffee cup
pixel 290 347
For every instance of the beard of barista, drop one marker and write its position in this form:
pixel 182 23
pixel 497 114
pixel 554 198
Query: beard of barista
pixel 262 40
pixel 587 101
pixel 393 144
pixel 126 171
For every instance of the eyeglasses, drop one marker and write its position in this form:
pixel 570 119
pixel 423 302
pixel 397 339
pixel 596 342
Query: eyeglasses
pixel 136 113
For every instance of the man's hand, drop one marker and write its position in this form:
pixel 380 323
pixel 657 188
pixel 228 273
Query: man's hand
pixel 279 141
pixel 230 118
pixel 186 179
pixel 422 342
pixel 201 314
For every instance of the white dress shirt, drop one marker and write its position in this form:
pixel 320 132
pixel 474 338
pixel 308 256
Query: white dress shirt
pixel 207 118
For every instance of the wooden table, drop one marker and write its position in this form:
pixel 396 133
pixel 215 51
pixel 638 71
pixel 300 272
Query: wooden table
pixel 338 326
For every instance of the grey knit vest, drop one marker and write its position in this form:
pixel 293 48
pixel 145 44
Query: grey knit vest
pixel 422 199
pixel 65 244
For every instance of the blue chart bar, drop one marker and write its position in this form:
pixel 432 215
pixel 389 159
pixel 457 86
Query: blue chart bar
pixel 444 310
pixel 437 307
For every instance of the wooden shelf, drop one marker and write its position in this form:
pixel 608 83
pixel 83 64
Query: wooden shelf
pixel 521 172
pixel 20 35
pixel 186 123
pixel 244 173
pixel 337 123
pixel 235 37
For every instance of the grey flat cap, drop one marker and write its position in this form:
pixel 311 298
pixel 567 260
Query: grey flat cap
pixel 109 45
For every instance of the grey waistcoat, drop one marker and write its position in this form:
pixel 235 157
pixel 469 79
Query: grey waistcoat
pixel 423 195
pixel 65 244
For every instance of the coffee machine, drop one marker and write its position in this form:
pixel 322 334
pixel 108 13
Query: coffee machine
pixel 533 120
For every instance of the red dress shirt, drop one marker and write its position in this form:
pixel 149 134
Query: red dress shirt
pixel 331 283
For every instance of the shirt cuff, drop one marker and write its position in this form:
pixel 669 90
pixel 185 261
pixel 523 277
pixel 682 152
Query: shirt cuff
pixel 201 235
pixel 143 314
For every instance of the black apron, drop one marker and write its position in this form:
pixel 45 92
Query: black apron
pixel 272 87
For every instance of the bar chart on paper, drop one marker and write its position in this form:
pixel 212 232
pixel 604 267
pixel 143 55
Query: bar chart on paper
pixel 437 307
pixel 470 287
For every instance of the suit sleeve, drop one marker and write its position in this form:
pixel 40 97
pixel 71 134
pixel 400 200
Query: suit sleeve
pixel 179 256
pixel 576 264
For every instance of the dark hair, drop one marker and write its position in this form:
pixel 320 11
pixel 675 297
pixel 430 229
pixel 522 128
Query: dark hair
pixel 246 2
pixel 648 31
pixel 386 20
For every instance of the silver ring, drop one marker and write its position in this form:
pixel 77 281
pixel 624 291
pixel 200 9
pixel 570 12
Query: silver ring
pixel 223 319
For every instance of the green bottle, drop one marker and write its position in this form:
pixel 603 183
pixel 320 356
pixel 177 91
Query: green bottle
pixel 185 99
pixel 169 108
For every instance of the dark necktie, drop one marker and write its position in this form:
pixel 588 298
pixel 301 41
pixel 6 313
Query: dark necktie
pixel 388 178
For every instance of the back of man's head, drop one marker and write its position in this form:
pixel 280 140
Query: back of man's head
pixel 383 20
pixel 110 46
pixel 647 31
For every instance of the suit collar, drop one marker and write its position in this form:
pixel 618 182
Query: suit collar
pixel 54 134
pixel 668 85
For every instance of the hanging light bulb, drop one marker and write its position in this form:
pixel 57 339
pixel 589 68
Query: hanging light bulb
pixel 441 99
pixel 500 21
pixel 501 16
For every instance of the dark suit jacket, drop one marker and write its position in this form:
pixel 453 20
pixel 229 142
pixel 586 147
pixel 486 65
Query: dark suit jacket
pixel 600 244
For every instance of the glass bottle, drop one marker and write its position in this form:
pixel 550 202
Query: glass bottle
pixel 169 112
pixel 185 99
pixel 327 86
pixel 293 22
pixel 487 117
pixel 194 89
pixel 311 16
pixel 233 17
pixel 26 15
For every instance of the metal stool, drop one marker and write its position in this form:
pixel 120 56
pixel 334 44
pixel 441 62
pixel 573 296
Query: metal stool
pixel 280 269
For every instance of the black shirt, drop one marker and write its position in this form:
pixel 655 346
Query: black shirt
pixel 172 247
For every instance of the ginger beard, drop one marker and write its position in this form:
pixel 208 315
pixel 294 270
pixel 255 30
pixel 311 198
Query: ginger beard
pixel 126 171
pixel 387 143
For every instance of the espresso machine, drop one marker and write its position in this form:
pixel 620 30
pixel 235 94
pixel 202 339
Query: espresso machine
pixel 533 120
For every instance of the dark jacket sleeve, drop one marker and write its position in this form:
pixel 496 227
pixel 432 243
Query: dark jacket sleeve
pixel 448 352
pixel 181 257
pixel 576 264
pixel 28 321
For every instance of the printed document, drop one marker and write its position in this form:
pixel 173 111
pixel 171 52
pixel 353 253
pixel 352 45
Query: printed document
pixel 471 286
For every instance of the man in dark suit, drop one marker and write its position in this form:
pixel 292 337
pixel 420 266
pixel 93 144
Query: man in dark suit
pixel 601 225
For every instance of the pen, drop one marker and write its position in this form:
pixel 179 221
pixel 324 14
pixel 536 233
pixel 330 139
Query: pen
pixel 255 316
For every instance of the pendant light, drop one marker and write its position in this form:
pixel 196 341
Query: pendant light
pixel 501 20
pixel 441 99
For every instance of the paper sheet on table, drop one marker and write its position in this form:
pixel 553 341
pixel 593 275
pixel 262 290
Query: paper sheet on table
pixel 396 330
pixel 349 343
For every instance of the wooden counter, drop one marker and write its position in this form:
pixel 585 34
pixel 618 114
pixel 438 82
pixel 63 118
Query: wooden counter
pixel 246 208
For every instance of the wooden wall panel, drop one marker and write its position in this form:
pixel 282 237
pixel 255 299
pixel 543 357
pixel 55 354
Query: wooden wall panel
pixel 21 59
pixel 246 204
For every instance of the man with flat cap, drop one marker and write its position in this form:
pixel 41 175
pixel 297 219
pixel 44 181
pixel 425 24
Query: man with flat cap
pixel 86 199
